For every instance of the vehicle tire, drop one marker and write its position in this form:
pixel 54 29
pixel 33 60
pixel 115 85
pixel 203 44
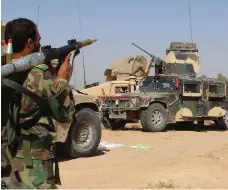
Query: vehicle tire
pixel 118 124
pixel 85 134
pixel 114 124
pixel 154 118
pixel 106 122
pixel 223 121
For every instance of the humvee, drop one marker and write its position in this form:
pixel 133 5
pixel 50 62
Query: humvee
pixel 168 99
pixel 173 94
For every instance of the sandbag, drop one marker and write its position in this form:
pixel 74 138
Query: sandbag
pixel 129 66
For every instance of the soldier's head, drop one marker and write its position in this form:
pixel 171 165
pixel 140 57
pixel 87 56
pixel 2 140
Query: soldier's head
pixel 24 34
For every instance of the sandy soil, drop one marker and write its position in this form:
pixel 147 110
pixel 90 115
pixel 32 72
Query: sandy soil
pixel 178 159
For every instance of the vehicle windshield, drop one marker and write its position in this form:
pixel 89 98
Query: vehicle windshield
pixel 148 84
pixel 163 83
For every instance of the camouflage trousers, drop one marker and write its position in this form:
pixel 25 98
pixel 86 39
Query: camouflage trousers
pixel 40 176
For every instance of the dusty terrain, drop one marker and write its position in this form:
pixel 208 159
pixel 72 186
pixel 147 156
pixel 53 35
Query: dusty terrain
pixel 178 159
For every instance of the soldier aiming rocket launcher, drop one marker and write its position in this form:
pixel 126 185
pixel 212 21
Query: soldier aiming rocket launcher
pixel 15 73
pixel 156 62
pixel 13 76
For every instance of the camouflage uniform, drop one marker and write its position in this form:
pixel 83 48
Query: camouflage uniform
pixel 36 156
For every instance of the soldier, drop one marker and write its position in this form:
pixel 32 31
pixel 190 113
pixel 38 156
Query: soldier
pixel 35 157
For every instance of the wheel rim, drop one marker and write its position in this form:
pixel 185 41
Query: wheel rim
pixel 156 118
pixel 84 134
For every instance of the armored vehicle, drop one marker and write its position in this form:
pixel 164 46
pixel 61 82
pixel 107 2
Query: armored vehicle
pixel 173 94
pixel 168 99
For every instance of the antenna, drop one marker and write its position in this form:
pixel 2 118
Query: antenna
pixel 190 20
pixel 38 16
pixel 80 23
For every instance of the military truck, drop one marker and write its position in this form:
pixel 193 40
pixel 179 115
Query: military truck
pixel 173 94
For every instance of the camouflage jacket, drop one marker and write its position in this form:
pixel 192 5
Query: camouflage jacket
pixel 43 82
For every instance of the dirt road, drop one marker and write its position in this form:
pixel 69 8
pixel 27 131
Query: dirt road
pixel 178 159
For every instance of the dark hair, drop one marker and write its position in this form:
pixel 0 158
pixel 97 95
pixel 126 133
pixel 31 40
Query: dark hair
pixel 20 30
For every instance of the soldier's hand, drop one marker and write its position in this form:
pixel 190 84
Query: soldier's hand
pixel 64 69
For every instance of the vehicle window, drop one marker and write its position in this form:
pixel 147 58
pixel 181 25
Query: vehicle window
pixel 165 84
pixel 192 88
pixel 148 85
pixel 216 89
pixel 121 89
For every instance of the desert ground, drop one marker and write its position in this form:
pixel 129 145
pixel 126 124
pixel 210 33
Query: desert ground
pixel 178 158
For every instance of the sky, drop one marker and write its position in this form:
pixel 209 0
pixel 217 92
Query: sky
pixel 151 24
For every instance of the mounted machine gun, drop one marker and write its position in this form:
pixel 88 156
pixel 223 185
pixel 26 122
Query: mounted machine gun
pixel 156 62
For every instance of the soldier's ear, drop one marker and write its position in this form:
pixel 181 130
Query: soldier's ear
pixel 30 43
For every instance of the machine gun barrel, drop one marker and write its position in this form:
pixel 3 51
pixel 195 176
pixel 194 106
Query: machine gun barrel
pixel 156 62
pixel 152 56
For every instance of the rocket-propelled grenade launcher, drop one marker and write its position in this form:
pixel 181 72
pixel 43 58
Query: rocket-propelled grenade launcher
pixel 61 53
pixel 47 54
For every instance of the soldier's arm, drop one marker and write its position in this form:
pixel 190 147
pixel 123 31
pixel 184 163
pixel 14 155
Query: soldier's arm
pixel 62 106
pixel 65 107
pixel 40 81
